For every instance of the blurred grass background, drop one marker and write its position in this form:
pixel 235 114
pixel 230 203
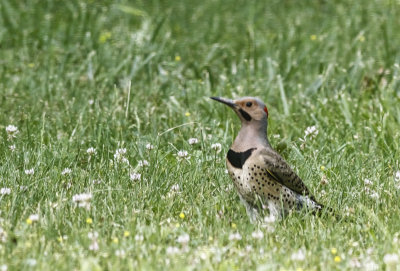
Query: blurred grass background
pixel 120 74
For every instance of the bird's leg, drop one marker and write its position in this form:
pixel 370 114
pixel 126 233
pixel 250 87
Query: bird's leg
pixel 251 210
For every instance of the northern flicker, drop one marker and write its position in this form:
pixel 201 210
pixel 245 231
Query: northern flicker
pixel 261 176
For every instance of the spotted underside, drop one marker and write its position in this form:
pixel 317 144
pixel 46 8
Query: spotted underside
pixel 258 179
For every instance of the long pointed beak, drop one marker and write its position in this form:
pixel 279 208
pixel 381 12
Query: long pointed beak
pixel 226 101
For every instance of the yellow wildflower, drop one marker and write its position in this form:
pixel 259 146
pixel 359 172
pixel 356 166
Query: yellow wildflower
pixel 29 221
pixel 313 37
pixel 234 226
pixel 115 240
pixel 182 215
pixel 31 65
pixel 322 168
pixel 126 233
pixel 89 220
pixel 361 38
pixel 187 114
pixel 337 259
pixel 333 251
pixel 177 58
pixel 104 36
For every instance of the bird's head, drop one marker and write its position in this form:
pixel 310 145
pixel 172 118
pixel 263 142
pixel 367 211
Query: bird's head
pixel 249 109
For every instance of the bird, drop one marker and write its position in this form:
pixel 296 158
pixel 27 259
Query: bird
pixel 262 178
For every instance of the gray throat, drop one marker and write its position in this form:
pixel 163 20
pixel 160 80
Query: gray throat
pixel 253 135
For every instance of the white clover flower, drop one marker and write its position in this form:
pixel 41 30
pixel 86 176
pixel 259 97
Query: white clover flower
pixel 183 239
pixel 94 246
pixel 5 191
pixel 92 151
pixel 34 217
pixel 3 236
pixel 235 236
pixel 397 176
pixel 257 234
pixel 82 197
pixel 298 256
pixel 135 176
pixel 96 181
pixel 149 146
pixel 183 154
pixel 217 147
pixel 91 101
pixel 175 188
pixel 30 171
pixel 143 163
pixel 172 250
pixel 66 171
pixel 139 238
pixel 120 253
pixel 269 219
pixel 391 259
pixel 193 141
pixel 11 131
pixel 12 148
pixel 119 154
pixel 311 131
pixel 367 182
pixel 3 267
pixel 374 195
pixel 83 200
pixel 93 235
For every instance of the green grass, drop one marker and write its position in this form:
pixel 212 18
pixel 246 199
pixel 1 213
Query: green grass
pixel 119 74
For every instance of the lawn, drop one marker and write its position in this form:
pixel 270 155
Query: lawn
pixel 112 155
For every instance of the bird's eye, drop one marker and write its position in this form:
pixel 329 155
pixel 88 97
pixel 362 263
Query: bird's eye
pixel 249 104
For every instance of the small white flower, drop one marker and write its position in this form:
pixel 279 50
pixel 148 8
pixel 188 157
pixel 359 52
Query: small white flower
pixel 391 259
pixel 257 234
pixel 94 246
pixel 12 148
pixel 30 171
pixel 175 188
pixel 96 181
pixel 83 200
pixel 193 141
pixel 311 131
pixel 143 163
pixel 374 195
pixel 217 147
pixel 139 237
pixel 172 250
pixel 298 256
pixel 183 154
pixel 397 176
pixel 91 151
pixel 119 154
pixel 5 191
pixel 135 176
pixel 3 267
pixel 91 101
pixel 11 131
pixel 93 235
pixel 149 146
pixel 269 219
pixel 183 239
pixel 235 236
pixel 3 237
pixel 367 182
pixel 31 262
pixel 120 253
pixel 82 197
pixel 66 171
pixel 34 217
